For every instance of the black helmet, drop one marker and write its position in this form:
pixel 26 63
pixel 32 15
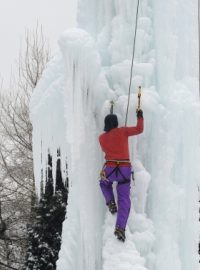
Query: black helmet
pixel 110 122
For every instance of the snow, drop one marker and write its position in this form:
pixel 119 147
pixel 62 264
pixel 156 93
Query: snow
pixel 67 111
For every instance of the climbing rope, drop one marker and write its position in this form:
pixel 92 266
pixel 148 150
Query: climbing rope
pixel 133 56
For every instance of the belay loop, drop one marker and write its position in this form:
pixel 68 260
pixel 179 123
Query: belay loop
pixel 133 56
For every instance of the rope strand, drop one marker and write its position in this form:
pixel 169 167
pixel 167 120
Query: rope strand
pixel 133 56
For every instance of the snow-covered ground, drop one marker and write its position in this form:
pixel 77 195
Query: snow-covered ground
pixel 67 111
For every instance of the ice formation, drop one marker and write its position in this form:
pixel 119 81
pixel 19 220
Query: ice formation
pixel 67 111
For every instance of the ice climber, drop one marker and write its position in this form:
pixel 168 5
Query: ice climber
pixel 117 167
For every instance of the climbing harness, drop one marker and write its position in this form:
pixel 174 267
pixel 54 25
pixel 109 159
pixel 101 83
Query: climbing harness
pixel 115 170
pixel 118 161
pixel 133 56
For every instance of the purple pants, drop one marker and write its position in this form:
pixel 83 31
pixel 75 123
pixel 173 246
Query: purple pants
pixel 122 178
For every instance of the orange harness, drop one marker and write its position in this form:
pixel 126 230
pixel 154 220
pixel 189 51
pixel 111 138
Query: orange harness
pixel 116 164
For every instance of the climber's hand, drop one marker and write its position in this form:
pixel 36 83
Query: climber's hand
pixel 139 113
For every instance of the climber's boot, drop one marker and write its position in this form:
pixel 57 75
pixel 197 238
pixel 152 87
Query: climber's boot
pixel 112 207
pixel 120 234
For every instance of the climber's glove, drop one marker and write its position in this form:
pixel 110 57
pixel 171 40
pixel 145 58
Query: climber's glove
pixel 139 113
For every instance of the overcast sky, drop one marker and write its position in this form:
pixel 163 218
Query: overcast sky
pixel 17 15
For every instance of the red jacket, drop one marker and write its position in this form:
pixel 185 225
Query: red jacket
pixel 114 143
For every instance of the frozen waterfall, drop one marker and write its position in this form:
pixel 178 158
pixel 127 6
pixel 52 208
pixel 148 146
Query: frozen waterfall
pixel 67 111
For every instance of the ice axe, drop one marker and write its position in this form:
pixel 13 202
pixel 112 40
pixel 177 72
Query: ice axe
pixel 139 98
pixel 111 106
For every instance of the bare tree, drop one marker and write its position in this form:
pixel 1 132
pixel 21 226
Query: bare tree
pixel 17 192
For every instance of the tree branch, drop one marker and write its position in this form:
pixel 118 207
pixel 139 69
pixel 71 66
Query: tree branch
pixel 8 266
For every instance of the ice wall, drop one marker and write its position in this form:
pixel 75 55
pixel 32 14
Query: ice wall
pixel 47 116
pixel 67 111
pixel 170 151
pixel 175 140
pixel 81 244
pixel 63 112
